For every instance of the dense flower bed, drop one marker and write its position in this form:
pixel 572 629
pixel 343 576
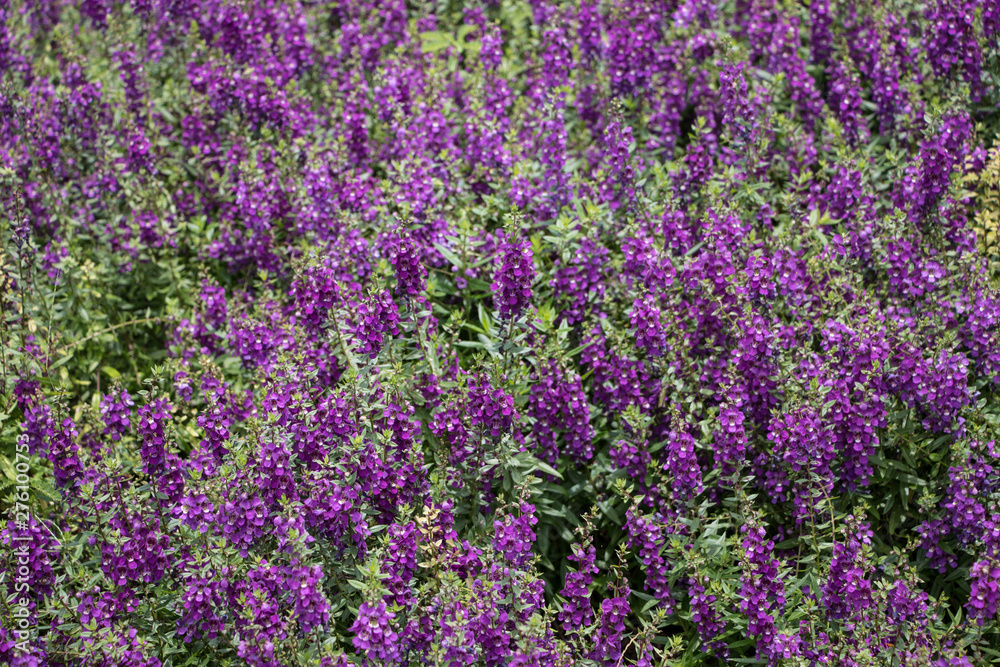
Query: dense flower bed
pixel 516 333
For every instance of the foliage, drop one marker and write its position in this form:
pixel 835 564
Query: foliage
pixel 563 333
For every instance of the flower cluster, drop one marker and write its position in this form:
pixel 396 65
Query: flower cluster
pixel 152 419
pixel 377 317
pixel 577 612
pixel 513 536
pixel 558 405
pixel 649 333
pixel 116 408
pixel 762 591
pixel 410 273
pixel 373 634
pixel 512 284
pixel 490 408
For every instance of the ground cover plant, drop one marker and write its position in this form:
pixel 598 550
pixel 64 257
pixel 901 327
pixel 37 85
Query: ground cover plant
pixel 601 333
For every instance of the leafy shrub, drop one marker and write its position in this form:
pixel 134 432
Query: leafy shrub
pixel 499 334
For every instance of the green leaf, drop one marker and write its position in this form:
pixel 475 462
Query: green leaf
pixel 546 468
pixel 8 469
pixel 449 255
pixel 432 42
pixel 62 361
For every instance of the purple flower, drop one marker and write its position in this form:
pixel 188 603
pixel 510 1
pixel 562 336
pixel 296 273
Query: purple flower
pixel 513 536
pixel 151 420
pixel 405 260
pixel 373 633
pixel 512 283
pixel 490 408
pixel 375 318
pixel 647 326
pixel 116 408
pixel 577 612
